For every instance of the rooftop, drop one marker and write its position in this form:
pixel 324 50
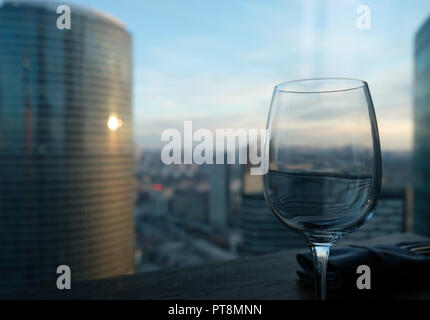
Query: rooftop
pixel 52 6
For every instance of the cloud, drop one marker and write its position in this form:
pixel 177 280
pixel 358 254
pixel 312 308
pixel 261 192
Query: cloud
pixel 222 80
pixel 162 95
pixel 234 101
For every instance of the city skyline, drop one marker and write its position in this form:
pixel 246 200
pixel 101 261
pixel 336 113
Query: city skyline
pixel 86 111
pixel 217 63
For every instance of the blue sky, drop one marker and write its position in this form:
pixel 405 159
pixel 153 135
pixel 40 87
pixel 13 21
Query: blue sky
pixel 216 62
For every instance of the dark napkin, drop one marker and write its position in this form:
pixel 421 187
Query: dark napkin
pixel 391 266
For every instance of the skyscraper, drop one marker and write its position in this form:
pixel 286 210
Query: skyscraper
pixel 421 161
pixel 262 232
pixel 219 193
pixel 66 168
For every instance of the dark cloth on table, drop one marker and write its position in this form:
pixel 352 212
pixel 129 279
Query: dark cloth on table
pixel 390 265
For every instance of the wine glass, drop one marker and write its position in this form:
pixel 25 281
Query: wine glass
pixel 323 158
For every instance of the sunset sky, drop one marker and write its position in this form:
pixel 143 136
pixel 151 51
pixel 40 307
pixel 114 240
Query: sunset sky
pixel 216 62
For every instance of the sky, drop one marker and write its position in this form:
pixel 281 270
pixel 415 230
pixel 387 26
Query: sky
pixel 216 62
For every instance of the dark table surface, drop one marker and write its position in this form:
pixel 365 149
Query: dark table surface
pixel 271 276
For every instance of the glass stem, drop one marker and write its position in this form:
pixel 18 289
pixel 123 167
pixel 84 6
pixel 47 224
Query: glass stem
pixel 320 253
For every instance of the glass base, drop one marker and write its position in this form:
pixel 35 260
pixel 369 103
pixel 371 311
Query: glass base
pixel 326 238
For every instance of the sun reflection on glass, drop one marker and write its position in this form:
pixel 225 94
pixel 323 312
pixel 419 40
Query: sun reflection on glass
pixel 114 123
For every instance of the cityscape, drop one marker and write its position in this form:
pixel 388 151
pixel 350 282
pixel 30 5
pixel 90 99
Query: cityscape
pixel 79 185
pixel 176 200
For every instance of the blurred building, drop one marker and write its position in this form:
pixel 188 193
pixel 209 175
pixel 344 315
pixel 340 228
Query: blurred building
pixel 219 194
pixel 261 231
pixel 421 161
pixel 389 217
pixel 191 205
pixel 66 175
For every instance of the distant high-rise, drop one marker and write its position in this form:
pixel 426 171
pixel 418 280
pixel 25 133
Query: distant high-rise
pixel 261 231
pixel 219 194
pixel 66 167
pixel 421 162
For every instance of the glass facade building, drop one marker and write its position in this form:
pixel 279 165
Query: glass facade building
pixel 66 176
pixel 262 232
pixel 421 162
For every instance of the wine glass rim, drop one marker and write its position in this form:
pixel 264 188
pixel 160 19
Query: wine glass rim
pixel 348 85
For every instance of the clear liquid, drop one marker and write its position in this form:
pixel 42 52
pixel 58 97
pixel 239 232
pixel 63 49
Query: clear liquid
pixel 320 201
